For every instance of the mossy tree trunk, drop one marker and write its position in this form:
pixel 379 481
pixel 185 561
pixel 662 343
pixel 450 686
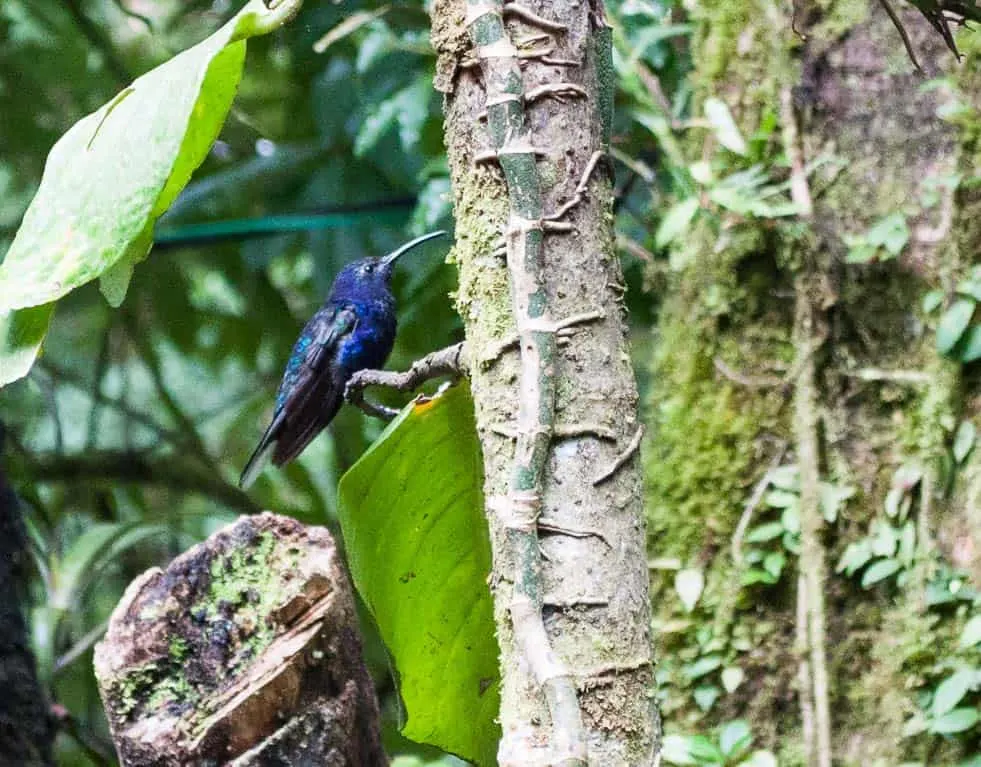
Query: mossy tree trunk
pixel 528 98
pixel 772 344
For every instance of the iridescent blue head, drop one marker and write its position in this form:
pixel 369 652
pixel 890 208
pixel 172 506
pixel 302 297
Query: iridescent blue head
pixel 369 278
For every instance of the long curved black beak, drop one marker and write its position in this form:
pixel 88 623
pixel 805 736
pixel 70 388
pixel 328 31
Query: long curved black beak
pixel 390 258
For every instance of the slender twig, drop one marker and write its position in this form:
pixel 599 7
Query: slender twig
pixel 171 471
pixel 750 382
pixel 750 508
pixel 902 33
pixel 800 191
pixel 445 362
pixel 621 459
pixel 911 377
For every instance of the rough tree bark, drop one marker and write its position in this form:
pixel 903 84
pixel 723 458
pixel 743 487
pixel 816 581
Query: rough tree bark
pixel 26 729
pixel 244 651
pixel 528 102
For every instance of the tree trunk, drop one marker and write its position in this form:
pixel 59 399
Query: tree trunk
pixel 860 389
pixel 26 729
pixel 244 651
pixel 558 423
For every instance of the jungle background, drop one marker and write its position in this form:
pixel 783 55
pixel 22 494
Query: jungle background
pixel 797 214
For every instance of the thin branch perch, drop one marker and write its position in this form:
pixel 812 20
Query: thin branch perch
pixel 445 362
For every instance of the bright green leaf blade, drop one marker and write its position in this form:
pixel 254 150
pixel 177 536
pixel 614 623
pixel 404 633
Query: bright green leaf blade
pixel 953 323
pixel 724 126
pixel 21 334
pixel 675 750
pixel 116 170
pixel 958 720
pixel 880 571
pixel 97 547
pixel 734 737
pixel 971 635
pixel 969 348
pixel 412 514
pixel 689 584
pixel 951 691
pixel 732 677
pixel 675 222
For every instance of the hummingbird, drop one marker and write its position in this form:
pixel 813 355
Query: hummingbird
pixel 354 330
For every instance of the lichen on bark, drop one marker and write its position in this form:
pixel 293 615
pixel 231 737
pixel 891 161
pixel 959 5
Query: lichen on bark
pixel 593 575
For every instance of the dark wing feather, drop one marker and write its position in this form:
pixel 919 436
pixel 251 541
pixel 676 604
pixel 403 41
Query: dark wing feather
pixel 311 392
pixel 317 392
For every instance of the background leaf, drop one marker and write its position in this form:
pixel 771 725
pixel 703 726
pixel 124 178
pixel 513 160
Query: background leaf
pixel 412 514
pixel 21 334
pixel 117 170
pixel 953 323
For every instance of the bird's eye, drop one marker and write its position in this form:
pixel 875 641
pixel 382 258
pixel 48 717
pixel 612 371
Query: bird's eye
pixel 369 268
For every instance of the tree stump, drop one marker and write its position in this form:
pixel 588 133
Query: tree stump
pixel 244 651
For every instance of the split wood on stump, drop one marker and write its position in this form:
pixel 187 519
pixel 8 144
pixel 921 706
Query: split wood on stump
pixel 244 651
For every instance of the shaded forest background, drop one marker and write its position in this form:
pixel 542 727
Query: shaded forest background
pixel 798 218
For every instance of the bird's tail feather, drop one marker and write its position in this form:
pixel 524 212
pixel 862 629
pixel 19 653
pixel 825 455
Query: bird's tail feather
pixel 258 460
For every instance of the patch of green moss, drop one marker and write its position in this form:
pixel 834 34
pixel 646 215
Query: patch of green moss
pixel 128 688
pixel 241 586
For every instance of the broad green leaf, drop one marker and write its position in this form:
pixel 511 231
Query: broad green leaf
pixel 790 519
pixel 953 323
pixel 93 550
pixel 885 539
pixel 117 170
pixel 971 635
pixel 761 758
pixel 703 666
pixel 411 510
pixel 735 737
pixel 952 690
pixel 689 584
pixel 879 571
pixel 932 301
pixel 774 562
pixel 958 720
pixel 833 498
pixel 705 751
pixel 407 108
pixel 786 478
pixel 725 128
pixel 765 532
pixel 675 750
pixel 732 677
pixel 21 334
pixel 676 221
pixel 856 556
pixel 969 348
pixel 705 696
pixel 781 499
pixel 890 232
pixel 964 440
pixel 907 544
